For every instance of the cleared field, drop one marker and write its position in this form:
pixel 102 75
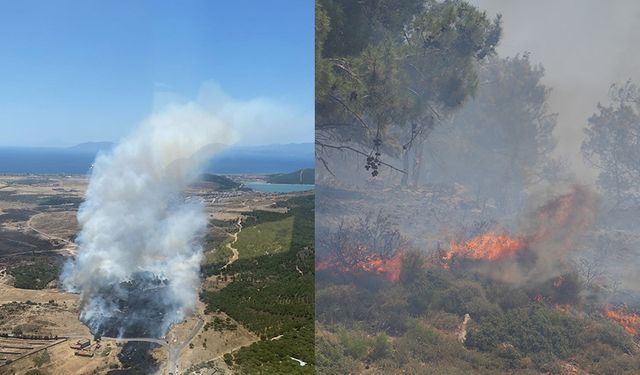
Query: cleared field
pixel 55 225
pixel 60 359
pixel 12 349
pixel 45 312
pixel 266 238
pixel 209 344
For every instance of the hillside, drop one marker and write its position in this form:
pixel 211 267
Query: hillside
pixel 420 324
pixel 302 176
pixel 221 183
pixel 271 289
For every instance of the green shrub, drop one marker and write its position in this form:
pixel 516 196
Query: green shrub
pixel 228 359
pixel 380 347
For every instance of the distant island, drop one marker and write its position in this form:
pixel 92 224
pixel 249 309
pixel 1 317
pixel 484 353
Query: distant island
pixel 92 147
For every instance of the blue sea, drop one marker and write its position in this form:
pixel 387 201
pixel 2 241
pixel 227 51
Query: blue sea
pixel 235 160
pixel 278 188
pixel 26 160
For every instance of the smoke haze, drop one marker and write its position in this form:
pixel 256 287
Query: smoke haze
pixel 584 46
pixel 256 121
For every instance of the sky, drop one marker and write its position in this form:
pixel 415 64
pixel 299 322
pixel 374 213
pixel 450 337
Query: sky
pixel 584 46
pixel 81 71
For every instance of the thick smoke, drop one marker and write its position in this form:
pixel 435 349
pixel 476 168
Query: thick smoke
pixel 139 249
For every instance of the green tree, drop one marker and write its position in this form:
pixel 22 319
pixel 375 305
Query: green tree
pixel 388 71
pixel 612 144
pixel 500 141
pixel 41 358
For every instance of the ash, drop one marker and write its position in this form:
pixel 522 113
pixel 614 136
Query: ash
pixel 136 308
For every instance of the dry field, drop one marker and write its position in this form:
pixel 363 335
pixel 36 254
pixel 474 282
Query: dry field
pixel 209 344
pixel 62 360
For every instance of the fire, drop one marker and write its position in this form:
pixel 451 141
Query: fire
pixel 629 321
pixel 557 283
pixel 387 267
pixel 562 219
pixel 554 227
pixel 487 246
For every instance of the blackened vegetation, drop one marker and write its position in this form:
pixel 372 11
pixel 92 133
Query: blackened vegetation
pixel 42 200
pixel 273 295
pixel 376 234
pixel 16 214
pixel 136 359
pixel 14 242
pixel 61 200
pixel 135 309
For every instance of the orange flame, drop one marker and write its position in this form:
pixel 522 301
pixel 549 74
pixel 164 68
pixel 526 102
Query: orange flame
pixel 629 321
pixel 554 226
pixel 557 283
pixel 387 267
pixel 562 219
pixel 488 246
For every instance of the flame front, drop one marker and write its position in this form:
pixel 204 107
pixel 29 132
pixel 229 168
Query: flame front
pixel 629 321
pixel 487 246
pixel 387 267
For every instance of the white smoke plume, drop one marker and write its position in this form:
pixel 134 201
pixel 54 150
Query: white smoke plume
pixel 139 252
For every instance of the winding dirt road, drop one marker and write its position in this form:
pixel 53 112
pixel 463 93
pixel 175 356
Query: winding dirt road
pixel 235 252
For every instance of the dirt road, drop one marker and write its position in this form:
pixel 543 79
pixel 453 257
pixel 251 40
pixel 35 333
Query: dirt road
pixel 70 247
pixel 235 252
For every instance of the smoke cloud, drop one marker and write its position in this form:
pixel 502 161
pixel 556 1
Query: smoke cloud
pixel 584 46
pixel 256 121
pixel 139 252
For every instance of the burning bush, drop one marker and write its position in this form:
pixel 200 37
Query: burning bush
pixel 628 320
pixel 368 245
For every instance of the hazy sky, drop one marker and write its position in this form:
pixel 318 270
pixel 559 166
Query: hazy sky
pixel 584 46
pixel 77 71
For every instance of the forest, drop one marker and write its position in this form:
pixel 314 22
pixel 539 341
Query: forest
pixel 272 294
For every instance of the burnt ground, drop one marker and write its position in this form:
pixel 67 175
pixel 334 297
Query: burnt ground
pixel 138 309
pixel 136 359
pixel 16 214
pixel 13 243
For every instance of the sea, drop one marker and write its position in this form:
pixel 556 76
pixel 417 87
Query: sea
pixel 25 160
pixel 265 187
pixel 78 161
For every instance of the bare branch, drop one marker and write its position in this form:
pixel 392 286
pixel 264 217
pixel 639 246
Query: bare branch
pixel 326 166
pixel 349 148
pixel 351 111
